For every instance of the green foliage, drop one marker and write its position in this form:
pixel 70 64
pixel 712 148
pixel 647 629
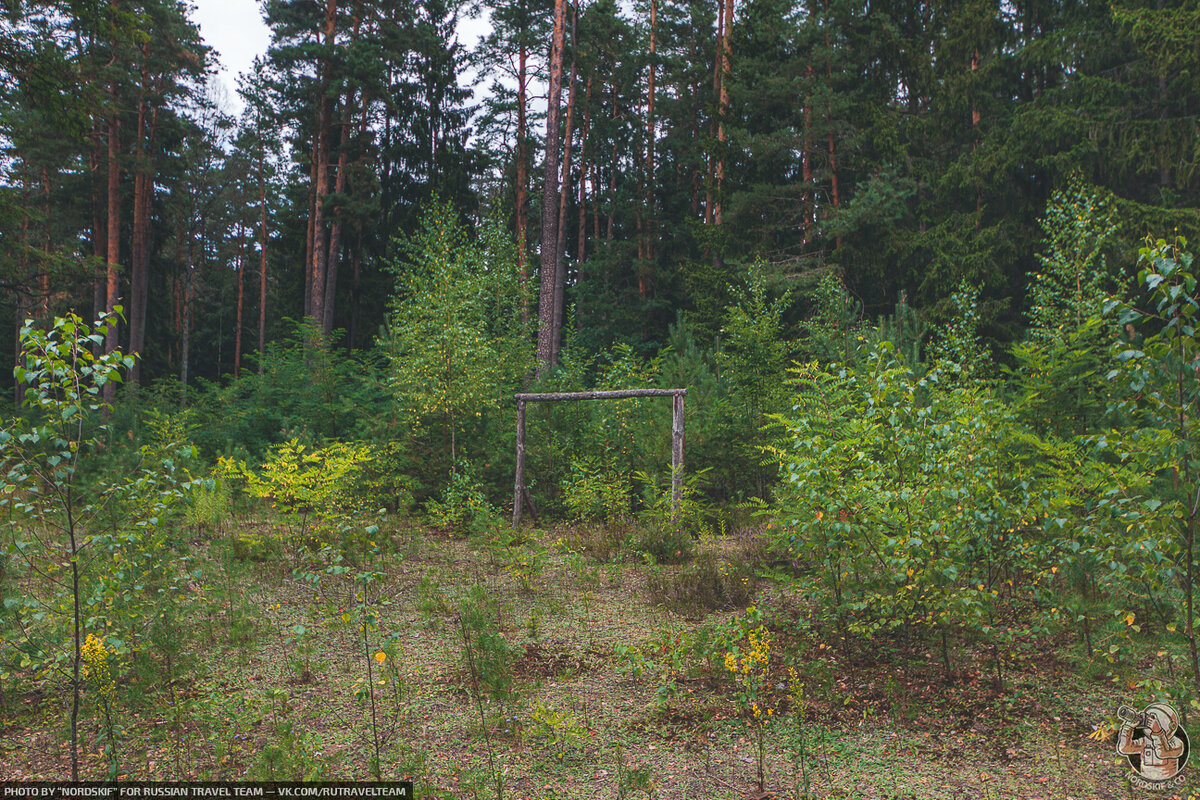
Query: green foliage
pixel 755 354
pixel 464 507
pixel 1080 223
pixel 307 390
pixel 755 351
pixel 487 658
pixel 210 505
pixel 558 730
pixel 905 498
pixel 592 492
pixel 834 319
pixel 293 756
pixel 1157 370
pixel 51 521
pixel 661 542
pixel 456 344
pixel 905 330
pixel 960 350
pixel 1061 365
pixel 312 482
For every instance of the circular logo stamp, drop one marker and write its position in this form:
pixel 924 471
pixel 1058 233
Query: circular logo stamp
pixel 1155 744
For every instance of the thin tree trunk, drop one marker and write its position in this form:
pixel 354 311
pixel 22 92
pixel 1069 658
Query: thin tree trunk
pixel 833 173
pixel 523 181
pixel 723 106
pixel 560 245
pixel 241 290
pixel 595 208
pixel 335 235
pixel 320 244
pixel 355 285
pixel 113 226
pixel 43 275
pixel 976 118
pixel 580 248
pixel 650 134
pixel 112 295
pixel 547 332
pixel 711 168
pixel 99 234
pixel 143 195
pixel 806 175
pixel 262 266
pixel 21 299
pixel 612 171
pixel 185 319
pixel 308 237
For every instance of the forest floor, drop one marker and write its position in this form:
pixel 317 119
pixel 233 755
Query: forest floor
pixel 272 683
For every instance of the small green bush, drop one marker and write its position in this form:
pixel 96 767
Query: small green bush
pixel 464 507
pixel 710 583
pixel 595 493
pixel 663 542
pixel 250 548
pixel 604 543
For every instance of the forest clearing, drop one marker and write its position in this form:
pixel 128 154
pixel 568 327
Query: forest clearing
pixel 590 690
pixel 877 471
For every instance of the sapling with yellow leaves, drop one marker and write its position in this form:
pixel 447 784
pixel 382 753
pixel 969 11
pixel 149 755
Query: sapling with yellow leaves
pixel 748 664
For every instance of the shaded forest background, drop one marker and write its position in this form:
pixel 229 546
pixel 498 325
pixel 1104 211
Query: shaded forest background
pixel 624 166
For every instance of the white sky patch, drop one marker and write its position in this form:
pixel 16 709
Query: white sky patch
pixel 236 31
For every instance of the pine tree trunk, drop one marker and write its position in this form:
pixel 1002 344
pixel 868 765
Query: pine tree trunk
pixel 560 245
pixel 20 298
pixel 355 285
pixel 723 105
pixel 99 234
pixel 547 332
pixel 711 167
pixel 241 290
pixel 595 194
pixel 185 317
pixel 335 235
pixel 806 175
pixel 580 247
pixel 43 275
pixel 262 266
pixel 308 237
pixel 522 181
pixel 650 134
pixel 976 118
pixel 612 170
pixel 320 244
pixel 112 294
pixel 833 172
pixel 143 197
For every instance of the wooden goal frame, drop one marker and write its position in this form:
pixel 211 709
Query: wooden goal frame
pixel 521 492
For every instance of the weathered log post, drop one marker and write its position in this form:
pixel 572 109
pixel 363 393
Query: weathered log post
pixel 677 454
pixel 519 487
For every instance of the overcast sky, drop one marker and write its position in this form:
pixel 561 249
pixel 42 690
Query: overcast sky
pixel 235 29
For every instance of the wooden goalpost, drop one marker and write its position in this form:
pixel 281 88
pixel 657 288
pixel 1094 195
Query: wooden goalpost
pixel 521 493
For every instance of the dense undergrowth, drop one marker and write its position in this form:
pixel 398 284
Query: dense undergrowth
pixel 857 489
